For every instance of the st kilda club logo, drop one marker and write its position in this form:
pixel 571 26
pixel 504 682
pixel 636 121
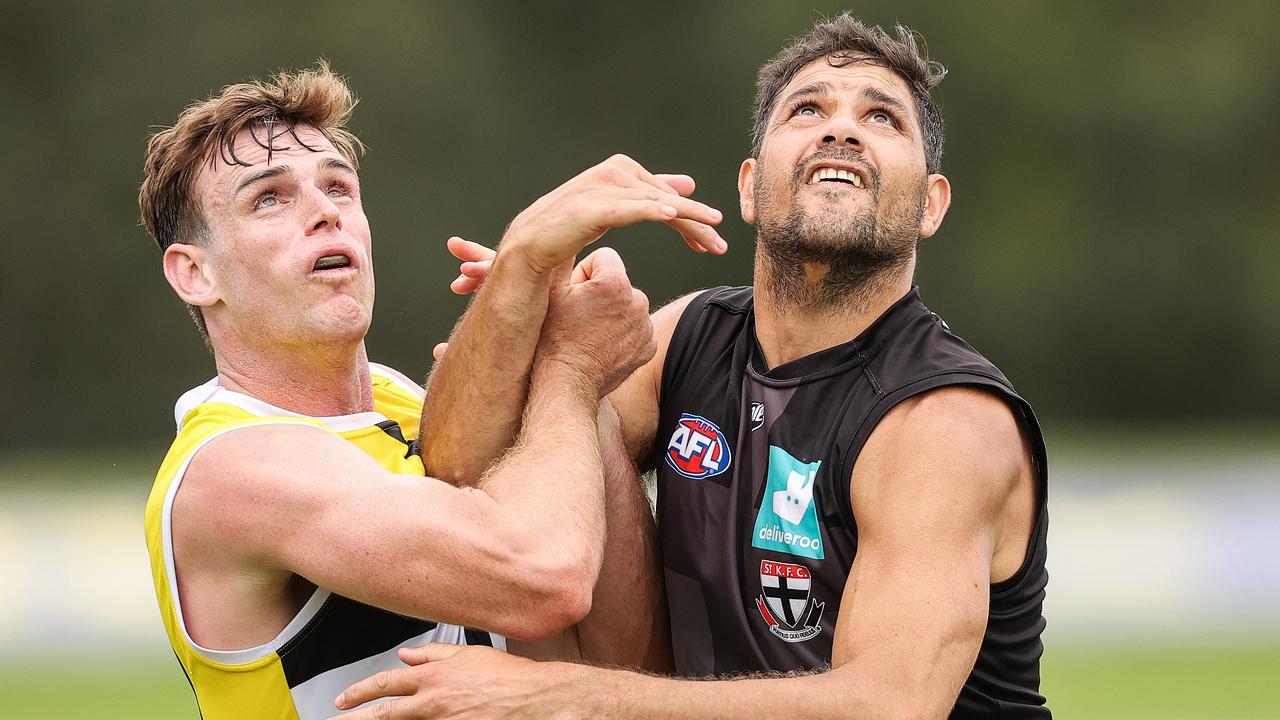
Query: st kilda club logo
pixel 785 602
pixel 697 448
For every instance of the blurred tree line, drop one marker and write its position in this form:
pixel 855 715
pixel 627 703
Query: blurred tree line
pixel 1111 245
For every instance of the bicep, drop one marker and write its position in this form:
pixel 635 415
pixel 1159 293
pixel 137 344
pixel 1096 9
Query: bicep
pixel 305 501
pixel 926 491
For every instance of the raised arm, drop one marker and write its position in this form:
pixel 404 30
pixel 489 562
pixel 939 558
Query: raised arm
pixel 476 393
pixel 942 492
pixel 519 554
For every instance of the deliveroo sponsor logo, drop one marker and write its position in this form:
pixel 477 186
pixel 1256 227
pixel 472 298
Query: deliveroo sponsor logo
pixel 787 521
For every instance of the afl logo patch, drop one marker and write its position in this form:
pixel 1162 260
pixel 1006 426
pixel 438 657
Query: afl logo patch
pixel 697 448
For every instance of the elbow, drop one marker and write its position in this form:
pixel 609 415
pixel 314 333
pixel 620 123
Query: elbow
pixel 563 584
pixel 557 593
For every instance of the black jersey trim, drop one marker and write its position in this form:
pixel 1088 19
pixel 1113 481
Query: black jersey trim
pixel 477 637
pixel 678 350
pixel 342 632
pixel 392 428
pixel 1026 420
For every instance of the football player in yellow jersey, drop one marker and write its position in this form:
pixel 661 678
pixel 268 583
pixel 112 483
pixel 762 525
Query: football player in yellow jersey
pixel 296 541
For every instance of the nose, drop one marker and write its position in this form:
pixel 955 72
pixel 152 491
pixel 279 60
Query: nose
pixel 841 130
pixel 323 212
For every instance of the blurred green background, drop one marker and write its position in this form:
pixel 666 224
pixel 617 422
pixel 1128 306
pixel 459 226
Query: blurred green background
pixel 1111 245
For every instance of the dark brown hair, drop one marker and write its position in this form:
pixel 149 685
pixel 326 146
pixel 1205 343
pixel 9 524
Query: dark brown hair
pixel 206 132
pixel 844 40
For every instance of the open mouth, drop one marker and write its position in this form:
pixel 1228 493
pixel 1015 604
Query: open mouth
pixel 834 175
pixel 332 262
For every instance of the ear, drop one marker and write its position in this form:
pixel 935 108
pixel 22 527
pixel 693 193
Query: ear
pixel 746 190
pixel 937 200
pixel 186 267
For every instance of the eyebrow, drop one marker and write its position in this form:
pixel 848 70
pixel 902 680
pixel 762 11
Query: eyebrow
pixel 818 88
pixel 871 94
pixel 267 174
pixel 338 164
pixel 279 170
pixel 876 95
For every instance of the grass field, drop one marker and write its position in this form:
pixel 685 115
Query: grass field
pixel 1162 603
pixel 1166 682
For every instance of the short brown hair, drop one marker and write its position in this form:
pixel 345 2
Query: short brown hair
pixel 206 132
pixel 844 40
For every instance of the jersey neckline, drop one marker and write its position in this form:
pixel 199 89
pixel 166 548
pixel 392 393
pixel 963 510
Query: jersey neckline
pixel 838 358
pixel 213 392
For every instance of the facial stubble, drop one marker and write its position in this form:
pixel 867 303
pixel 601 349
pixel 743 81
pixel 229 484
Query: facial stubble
pixel 833 258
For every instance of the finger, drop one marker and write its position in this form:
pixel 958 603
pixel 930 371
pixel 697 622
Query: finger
pixel 635 207
pixel 431 652
pixel 693 210
pixel 388 683
pixel 682 184
pixel 635 169
pixel 478 269
pixel 463 285
pixel 437 352
pixel 396 709
pixel 468 251
pixel 699 236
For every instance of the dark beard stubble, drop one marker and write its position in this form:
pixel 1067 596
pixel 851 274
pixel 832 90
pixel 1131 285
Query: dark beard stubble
pixel 861 253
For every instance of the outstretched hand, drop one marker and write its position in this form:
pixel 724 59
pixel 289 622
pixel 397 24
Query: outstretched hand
pixel 600 198
pixel 616 193
pixel 454 681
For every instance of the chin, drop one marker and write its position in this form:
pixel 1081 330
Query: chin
pixel 337 325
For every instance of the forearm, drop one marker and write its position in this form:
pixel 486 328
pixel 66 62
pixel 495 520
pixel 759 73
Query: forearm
pixel 550 484
pixel 628 624
pixel 814 696
pixel 476 394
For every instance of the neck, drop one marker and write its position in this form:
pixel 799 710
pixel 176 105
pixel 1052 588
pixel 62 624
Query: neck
pixel 311 381
pixel 800 310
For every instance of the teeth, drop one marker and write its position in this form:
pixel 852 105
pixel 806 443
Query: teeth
pixel 329 262
pixel 827 173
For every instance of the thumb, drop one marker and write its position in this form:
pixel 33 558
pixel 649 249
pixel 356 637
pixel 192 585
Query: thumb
pixel 603 262
pixel 561 274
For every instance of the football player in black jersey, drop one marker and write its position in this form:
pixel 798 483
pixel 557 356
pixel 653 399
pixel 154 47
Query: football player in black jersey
pixel 870 540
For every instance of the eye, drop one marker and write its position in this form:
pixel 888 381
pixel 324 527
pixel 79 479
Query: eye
pixel 266 200
pixel 882 117
pixel 805 110
pixel 338 189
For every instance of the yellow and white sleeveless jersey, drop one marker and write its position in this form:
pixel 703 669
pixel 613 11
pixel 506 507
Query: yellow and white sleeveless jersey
pixel 333 641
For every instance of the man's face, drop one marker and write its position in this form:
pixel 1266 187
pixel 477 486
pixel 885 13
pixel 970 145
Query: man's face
pixel 290 254
pixel 842 166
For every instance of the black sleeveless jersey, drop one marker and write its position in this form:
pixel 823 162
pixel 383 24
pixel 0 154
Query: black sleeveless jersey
pixel 754 517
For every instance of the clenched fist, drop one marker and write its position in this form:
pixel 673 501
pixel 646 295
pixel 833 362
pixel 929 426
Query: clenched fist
pixel 598 324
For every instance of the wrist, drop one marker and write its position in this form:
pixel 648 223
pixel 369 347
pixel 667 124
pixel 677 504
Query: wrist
pixel 597 693
pixel 561 377
pixel 521 257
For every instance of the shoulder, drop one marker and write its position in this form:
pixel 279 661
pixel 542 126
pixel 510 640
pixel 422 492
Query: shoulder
pixel 958 414
pixel 255 471
pixel 701 319
pixel 954 444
